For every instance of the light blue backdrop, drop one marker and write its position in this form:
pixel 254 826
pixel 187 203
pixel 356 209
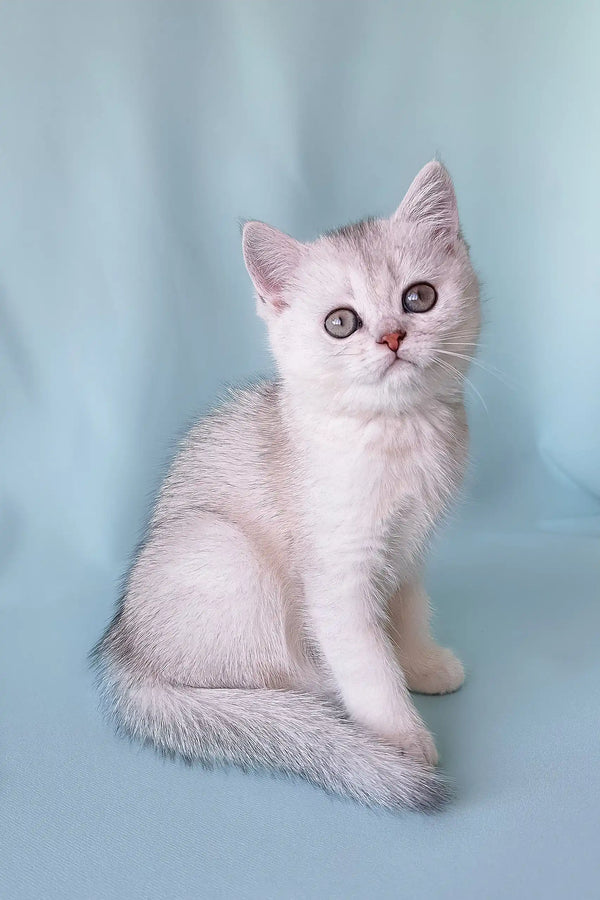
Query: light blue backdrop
pixel 133 136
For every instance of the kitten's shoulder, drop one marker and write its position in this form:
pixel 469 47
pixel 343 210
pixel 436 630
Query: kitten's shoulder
pixel 255 397
pixel 243 410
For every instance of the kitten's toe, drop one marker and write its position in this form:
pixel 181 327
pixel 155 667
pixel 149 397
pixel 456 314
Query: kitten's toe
pixel 419 744
pixel 437 672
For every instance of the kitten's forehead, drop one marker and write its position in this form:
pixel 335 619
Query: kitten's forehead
pixel 356 237
pixel 360 243
pixel 385 251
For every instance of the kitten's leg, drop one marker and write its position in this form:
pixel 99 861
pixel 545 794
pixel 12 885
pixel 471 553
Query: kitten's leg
pixel 206 606
pixel 348 627
pixel 428 668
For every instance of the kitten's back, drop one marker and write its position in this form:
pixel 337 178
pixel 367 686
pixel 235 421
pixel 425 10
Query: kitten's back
pixel 236 461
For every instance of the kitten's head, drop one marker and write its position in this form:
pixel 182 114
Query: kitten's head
pixel 371 315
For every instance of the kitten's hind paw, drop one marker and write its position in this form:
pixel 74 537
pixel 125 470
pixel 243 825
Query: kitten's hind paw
pixel 436 671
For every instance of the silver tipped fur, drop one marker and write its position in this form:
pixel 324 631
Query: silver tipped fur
pixel 287 731
pixel 275 615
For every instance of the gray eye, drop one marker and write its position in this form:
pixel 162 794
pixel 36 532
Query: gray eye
pixel 419 298
pixel 341 323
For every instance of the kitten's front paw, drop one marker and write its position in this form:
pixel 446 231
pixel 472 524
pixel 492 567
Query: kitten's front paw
pixel 419 744
pixel 437 671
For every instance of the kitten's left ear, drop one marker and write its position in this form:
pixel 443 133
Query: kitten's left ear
pixel 431 200
pixel 271 258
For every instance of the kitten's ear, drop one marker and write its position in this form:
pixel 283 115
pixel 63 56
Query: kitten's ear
pixel 271 258
pixel 431 200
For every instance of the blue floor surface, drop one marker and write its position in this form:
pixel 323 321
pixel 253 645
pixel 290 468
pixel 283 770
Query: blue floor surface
pixel 88 815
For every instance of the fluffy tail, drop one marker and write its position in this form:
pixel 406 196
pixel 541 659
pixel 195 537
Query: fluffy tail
pixel 290 732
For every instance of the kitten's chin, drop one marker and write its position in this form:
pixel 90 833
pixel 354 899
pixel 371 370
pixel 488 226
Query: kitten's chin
pixel 401 386
pixel 400 374
pixel 407 384
pixel 400 362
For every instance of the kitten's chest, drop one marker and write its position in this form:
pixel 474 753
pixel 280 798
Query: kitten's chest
pixel 418 476
pixel 413 481
pixel 389 482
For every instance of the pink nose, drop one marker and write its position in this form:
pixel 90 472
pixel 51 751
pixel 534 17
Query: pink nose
pixel 393 339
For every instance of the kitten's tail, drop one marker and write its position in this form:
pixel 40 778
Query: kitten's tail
pixel 291 732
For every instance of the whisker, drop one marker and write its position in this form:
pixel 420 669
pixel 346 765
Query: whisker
pixel 491 370
pixel 473 388
pixel 454 371
pixel 463 344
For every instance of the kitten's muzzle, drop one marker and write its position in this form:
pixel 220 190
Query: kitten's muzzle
pixel 393 339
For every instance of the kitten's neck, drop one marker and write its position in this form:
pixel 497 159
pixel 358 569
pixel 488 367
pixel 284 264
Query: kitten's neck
pixel 305 406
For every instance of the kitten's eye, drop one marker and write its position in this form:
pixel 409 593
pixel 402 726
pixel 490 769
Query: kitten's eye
pixel 419 298
pixel 341 323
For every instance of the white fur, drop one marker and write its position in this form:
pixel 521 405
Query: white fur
pixel 275 614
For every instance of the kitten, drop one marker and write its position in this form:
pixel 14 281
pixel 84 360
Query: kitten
pixel 275 614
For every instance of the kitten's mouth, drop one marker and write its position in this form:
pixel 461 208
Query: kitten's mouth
pixel 399 361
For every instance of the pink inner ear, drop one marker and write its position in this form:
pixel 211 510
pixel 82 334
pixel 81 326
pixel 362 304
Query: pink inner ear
pixel 276 302
pixel 431 201
pixel 271 258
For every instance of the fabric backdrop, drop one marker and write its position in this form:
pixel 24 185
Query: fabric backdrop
pixel 133 137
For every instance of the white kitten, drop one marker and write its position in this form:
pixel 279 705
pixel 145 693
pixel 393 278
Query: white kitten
pixel 275 616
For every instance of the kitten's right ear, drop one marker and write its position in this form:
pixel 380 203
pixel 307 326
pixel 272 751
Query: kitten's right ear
pixel 431 200
pixel 271 258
